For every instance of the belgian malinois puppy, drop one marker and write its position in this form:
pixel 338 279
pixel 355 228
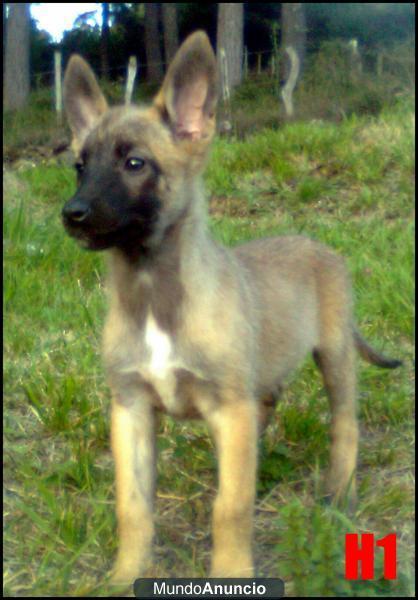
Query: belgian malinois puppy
pixel 195 329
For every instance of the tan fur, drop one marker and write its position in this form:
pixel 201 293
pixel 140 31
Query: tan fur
pixel 195 329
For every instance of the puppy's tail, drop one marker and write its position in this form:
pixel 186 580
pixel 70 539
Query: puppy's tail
pixel 371 355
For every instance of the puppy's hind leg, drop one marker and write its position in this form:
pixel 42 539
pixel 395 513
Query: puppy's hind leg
pixel 337 363
pixel 267 406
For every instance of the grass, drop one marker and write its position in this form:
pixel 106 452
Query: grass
pixel 349 185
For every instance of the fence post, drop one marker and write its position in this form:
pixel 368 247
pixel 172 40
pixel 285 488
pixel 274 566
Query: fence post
pixel 132 69
pixel 355 59
pixel 245 62
pixel 226 96
pixel 259 63
pixel 58 84
pixel 289 86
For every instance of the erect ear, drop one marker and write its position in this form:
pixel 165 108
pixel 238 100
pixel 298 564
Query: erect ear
pixel 188 95
pixel 84 102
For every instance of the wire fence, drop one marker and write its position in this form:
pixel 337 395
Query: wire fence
pixel 254 62
pixel 265 67
pixel 41 78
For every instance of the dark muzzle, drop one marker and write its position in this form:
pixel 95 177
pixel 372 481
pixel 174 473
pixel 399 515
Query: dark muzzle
pixel 75 212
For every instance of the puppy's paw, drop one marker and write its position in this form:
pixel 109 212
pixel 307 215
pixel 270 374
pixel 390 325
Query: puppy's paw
pixel 126 571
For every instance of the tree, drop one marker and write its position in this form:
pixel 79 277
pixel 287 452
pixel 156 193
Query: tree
pixel 104 40
pixel 171 36
pixel 152 42
pixel 16 80
pixel 4 30
pixel 230 40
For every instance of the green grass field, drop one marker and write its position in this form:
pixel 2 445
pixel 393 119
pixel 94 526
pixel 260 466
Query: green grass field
pixel 349 185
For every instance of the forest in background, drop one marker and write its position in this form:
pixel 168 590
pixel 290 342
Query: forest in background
pixel 152 31
pixel 374 25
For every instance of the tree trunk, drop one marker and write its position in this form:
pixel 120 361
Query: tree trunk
pixel 293 34
pixel 104 41
pixel 230 39
pixel 171 36
pixel 16 81
pixel 4 31
pixel 152 42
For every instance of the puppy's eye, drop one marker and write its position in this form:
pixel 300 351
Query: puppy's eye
pixel 79 167
pixel 134 164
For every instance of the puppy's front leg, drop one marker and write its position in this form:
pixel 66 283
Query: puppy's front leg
pixel 235 429
pixel 133 446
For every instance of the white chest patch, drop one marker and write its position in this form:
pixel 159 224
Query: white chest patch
pixel 161 349
pixel 158 365
pixel 158 370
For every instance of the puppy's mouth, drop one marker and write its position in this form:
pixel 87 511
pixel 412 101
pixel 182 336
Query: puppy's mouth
pixel 135 232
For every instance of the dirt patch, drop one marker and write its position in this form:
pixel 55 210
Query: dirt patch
pixel 18 157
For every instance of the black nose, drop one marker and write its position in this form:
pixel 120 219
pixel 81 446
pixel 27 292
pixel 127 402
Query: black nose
pixel 76 211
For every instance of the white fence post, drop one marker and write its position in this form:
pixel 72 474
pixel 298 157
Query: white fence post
pixel 289 86
pixel 58 84
pixel 224 75
pixel 132 70
pixel 226 125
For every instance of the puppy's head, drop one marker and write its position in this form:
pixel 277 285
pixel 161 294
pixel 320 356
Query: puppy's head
pixel 135 165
